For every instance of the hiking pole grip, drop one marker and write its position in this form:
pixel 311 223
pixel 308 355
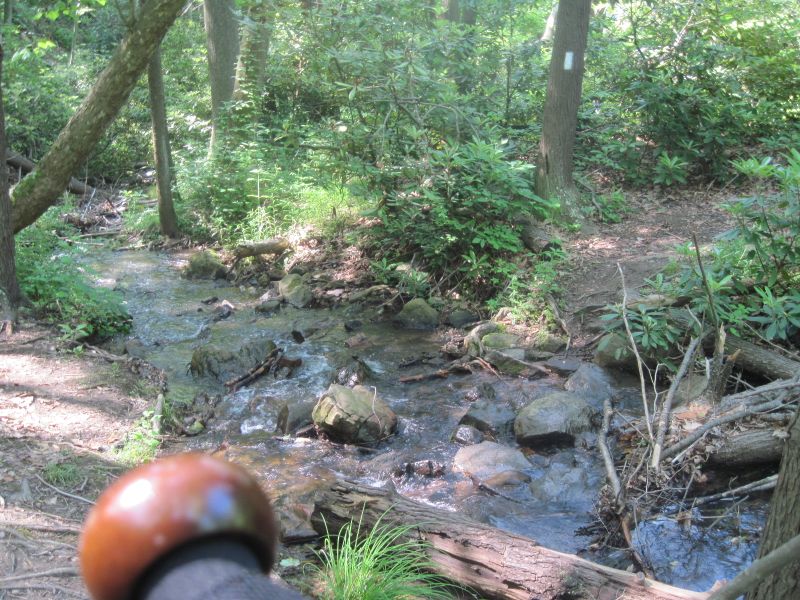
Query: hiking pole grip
pixel 188 527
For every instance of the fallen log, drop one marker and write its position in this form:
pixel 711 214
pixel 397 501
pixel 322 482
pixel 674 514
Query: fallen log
pixel 757 447
pixel 26 165
pixel 273 246
pixel 497 564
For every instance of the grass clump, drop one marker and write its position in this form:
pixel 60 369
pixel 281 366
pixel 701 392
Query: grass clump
pixel 381 564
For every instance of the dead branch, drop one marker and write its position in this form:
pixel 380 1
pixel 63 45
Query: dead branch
pixel 62 492
pixel 761 485
pixel 666 409
pixel 60 572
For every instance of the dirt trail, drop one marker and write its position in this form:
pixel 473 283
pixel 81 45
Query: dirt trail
pixel 60 417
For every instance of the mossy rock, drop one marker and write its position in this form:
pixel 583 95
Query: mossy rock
pixel 205 265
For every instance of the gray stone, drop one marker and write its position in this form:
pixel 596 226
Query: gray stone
pixel 690 388
pixel 489 416
pixel 501 341
pixel 292 416
pixel 417 314
pixel 512 362
pixel 354 415
pixel 548 342
pixel 472 341
pixel 489 459
pixel 613 352
pixel 591 382
pixel 268 307
pixel 461 317
pixel 554 420
pixel 205 265
pixel 294 291
pixel 467 435
pixel 563 366
pixel 223 364
pixel 566 482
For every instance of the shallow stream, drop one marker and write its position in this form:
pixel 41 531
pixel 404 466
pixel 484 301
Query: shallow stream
pixel 170 320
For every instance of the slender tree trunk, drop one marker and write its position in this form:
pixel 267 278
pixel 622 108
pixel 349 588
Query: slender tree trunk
pixel 8 11
pixel 9 285
pixel 161 151
pixel 783 523
pixel 560 121
pixel 222 40
pixel 42 188
pixel 251 70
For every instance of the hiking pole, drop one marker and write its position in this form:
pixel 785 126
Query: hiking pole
pixel 186 527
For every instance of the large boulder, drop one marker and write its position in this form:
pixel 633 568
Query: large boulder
pixel 554 420
pixel 418 314
pixel 488 459
pixel 295 415
pixel 205 265
pixel 223 364
pixel 354 415
pixel 501 341
pixel 614 352
pixel 294 291
pixel 489 416
pixel 591 382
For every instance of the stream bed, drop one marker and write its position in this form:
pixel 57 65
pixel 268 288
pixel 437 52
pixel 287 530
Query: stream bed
pixel 552 503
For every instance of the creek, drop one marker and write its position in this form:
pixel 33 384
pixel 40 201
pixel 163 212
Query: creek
pixel 552 504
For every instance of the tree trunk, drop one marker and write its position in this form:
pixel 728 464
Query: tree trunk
pixel 161 151
pixel 39 190
pixel 8 11
pixel 495 563
pixel 251 70
pixel 271 246
pixel 9 286
pixel 26 165
pixel 560 120
pixel 748 448
pixel 222 40
pixel 783 523
pixel 761 360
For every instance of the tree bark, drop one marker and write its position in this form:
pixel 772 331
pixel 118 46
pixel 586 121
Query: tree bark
pixel 560 121
pixel 39 190
pixel 222 40
pixel 271 246
pixel 495 563
pixel 26 165
pixel 251 70
pixel 167 218
pixel 757 359
pixel 748 448
pixel 9 286
pixel 783 523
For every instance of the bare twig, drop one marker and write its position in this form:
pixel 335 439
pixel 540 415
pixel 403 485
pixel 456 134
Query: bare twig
pixel 666 409
pixel 43 586
pixel 639 361
pixel 59 572
pixel 761 485
pixel 62 492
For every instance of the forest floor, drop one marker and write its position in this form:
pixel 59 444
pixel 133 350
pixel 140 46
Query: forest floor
pixel 62 415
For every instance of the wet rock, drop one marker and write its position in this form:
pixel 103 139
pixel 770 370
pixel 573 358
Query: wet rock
pixel 554 420
pixel 507 479
pixel 268 307
pixel 613 352
pixel 224 364
pixel 223 310
pixel 567 481
pixel 563 366
pixel 423 468
pixel 472 341
pixel 591 382
pixel 482 390
pixel 501 341
pixel 488 459
pixel 418 314
pixel 512 362
pixel 294 291
pixel 205 265
pixel 460 317
pixel 352 374
pixel 353 325
pixel 535 355
pixel 466 435
pixel 489 416
pixel 295 415
pixel 354 415
pixel 548 342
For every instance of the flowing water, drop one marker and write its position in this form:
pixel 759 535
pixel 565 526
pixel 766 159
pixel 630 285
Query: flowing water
pixel 170 320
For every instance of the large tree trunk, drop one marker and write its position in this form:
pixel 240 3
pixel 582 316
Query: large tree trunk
pixel 495 563
pixel 161 151
pixel 39 190
pixel 222 40
pixel 251 70
pixel 560 120
pixel 783 523
pixel 25 165
pixel 9 286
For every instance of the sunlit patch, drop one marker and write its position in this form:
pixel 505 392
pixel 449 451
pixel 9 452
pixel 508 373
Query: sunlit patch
pixel 139 492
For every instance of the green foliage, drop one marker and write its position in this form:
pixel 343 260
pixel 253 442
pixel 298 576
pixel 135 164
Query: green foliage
pixel 670 170
pixel 651 328
pixel 60 289
pixel 381 564
pixel 62 474
pixel 141 443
